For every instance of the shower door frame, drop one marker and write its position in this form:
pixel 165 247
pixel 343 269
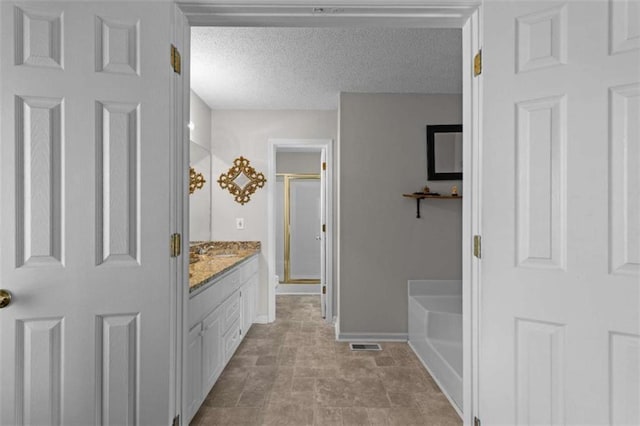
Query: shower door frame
pixel 287 226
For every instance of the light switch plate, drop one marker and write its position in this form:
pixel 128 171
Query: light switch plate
pixel 239 223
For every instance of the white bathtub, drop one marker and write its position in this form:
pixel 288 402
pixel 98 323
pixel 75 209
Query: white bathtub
pixel 435 332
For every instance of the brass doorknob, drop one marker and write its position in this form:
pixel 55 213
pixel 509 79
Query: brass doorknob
pixel 5 298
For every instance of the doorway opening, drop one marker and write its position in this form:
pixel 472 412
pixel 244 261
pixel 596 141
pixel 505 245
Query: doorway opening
pixel 300 220
pixel 464 17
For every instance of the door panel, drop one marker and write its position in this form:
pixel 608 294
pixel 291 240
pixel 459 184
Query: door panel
pixel 39 369
pixel 305 227
pixel 84 183
pixel 119 354
pixel 560 298
pixel 38 181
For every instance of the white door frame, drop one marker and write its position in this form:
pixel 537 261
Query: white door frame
pixel 371 13
pixel 298 145
pixel 180 92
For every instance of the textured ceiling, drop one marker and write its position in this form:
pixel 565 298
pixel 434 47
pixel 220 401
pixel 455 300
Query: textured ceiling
pixel 307 68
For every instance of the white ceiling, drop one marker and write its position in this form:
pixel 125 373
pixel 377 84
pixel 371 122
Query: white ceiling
pixel 307 68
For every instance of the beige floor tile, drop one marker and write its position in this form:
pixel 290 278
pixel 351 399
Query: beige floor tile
pixel 267 360
pixel 327 416
pixel 358 392
pixel 287 355
pixel 357 367
pixel 236 416
pixel 355 417
pixel 384 361
pixel 288 415
pixel 402 399
pixel 406 417
pixel 293 372
pixel 378 416
pixel 303 384
pixel 405 379
pixel 307 399
pixel 223 398
pixel 251 398
pixel 435 405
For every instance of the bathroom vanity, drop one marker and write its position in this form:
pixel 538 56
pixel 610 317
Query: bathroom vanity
pixel 223 285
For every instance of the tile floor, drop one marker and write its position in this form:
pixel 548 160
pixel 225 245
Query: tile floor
pixel 293 372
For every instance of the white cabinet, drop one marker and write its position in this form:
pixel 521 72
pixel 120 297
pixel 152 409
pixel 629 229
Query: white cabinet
pixel 219 315
pixel 194 371
pixel 249 291
pixel 231 340
pixel 212 354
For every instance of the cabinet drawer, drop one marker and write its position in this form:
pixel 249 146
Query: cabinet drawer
pixel 231 340
pixel 231 310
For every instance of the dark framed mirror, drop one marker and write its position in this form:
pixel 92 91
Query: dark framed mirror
pixel 444 152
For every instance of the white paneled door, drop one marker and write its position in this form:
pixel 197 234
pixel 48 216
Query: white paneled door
pixel 560 296
pixel 85 160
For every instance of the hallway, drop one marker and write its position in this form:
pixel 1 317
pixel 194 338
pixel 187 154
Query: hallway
pixel 293 372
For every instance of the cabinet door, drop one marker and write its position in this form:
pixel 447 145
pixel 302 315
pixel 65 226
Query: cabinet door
pixel 194 370
pixel 231 340
pixel 248 293
pixel 212 350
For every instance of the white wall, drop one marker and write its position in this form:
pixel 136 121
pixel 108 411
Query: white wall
pixel 382 154
pixel 200 160
pixel 236 133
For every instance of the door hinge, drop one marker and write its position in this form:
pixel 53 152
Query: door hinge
pixel 324 227
pixel 324 166
pixel 477 246
pixel 176 62
pixel 477 63
pixel 476 421
pixel 176 245
pixel 176 421
pixel 324 289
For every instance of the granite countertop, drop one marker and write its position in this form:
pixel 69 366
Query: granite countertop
pixel 218 258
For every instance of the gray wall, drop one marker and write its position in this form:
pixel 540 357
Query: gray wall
pixel 382 154
pixel 236 133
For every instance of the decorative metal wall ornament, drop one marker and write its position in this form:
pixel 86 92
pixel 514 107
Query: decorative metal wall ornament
pixel 241 169
pixel 196 180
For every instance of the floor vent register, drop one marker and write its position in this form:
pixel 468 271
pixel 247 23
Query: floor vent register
pixel 365 346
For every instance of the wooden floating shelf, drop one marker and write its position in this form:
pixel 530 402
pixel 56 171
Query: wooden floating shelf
pixel 419 197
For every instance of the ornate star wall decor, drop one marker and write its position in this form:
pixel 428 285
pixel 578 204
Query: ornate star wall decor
pixel 196 180
pixel 241 180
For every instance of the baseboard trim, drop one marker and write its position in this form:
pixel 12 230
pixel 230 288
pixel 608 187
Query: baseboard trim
pixel 297 293
pixel 424 364
pixel 261 319
pixel 370 337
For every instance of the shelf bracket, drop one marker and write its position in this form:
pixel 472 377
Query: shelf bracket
pixel 418 207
